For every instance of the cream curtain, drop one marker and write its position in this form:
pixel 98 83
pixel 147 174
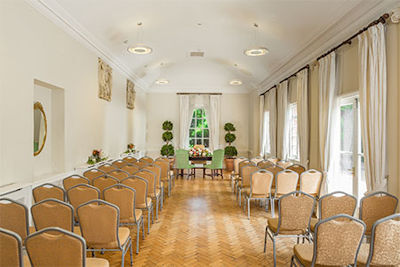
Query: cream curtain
pixel 184 121
pixel 328 116
pixel 302 115
pixel 372 84
pixel 262 125
pixel 282 128
pixel 214 121
pixel 270 102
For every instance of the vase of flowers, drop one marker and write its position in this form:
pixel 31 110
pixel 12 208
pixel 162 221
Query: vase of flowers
pixel 130 148
pixel 199 151
pixel 96 157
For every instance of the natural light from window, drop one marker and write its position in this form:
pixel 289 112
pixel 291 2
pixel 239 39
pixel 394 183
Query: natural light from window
pixel 198 131
pixel 293 139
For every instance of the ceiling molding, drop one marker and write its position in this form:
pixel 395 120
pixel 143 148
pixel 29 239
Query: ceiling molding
pixel 347 25
pixel 59 16
pixel 224 90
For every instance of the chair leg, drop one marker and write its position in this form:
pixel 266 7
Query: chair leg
pixel 169 187
pixel 274 249
pixel 131 253
pixel 123 258
pixel 157 203
pixel 152 213
pixel 162 198
pixel 248 208
pixel 240 197
pixel 143 231
pixel 265 239
pixel 137 237
pixel 148 220
pixel 273 207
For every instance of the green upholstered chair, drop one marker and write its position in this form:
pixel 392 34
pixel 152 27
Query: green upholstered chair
pixel 182 163
pixel 216 165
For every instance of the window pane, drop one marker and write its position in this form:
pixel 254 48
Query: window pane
pixel 191 142
pixel 205 133
pixel 198 133
pixel 206 142
pixel 205 123
pixel 198 141
pixel 199 123
pixel 199 113
pixel 193 123
pixel 346 127
pixel 191 133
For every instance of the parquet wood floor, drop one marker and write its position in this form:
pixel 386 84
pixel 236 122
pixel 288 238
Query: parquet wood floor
pixel 202 225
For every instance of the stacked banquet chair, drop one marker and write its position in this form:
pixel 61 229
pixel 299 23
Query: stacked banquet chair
pixel 165 176
pixel 235 172
pixel 246 172
pixel 238 178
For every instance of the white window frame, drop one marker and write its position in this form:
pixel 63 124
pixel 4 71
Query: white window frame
pixel 202 138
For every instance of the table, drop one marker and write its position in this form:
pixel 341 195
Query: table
pixel 200 160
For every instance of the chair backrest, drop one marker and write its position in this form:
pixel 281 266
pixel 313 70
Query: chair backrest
pixel 73 180
pixel 257 159
pixel 119 163
pixel 56 247
pixel 10 248
pixel 141 187
pixel 244 163
pixel 46 191
pixel 284 164
pixel 181 159
pixel 156 170
pixel 337 241
pixel 130 168
pixel 247 171
pixel 53 213
pixel 146 159
pixel 274 160
pixel 297 168
pixel 336 203
pixel 123 197
pixel 14 217
pixel 295 210
pixel 236 162
pixel 376 206
pixel 261 182
pixel 286 182
pixel 106 167
pixel 93 173
pixel 118 174
pixel 104 181
pixel 311 181
pixel 265 164
pixel 141 164
pixel 82 193
pixel 151 180
pixel 129 159
pixel 99 222
pixel 385 240
pixel 164 165
pixel 218 158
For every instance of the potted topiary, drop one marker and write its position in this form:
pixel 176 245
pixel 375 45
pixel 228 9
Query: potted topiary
pixel 167 149
pixel 230 151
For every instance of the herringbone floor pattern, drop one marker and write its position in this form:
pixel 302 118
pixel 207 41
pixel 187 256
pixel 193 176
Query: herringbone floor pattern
pixel 202 225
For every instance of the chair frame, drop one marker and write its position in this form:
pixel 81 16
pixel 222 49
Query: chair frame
pixel 320 184
pixel 149 208
pixel 276 187
pixel 59 202
pixel 77 176
pixel 235 175
pixel 143 159
pixel 168 175
pixel 119 160
pixel 93 169
pixel 124 247
pixel 85 185
pixel 52 185
pixel 107 177
pixel 157 198
pixel 108 174
pixel 249 197
pixel 19 241
pixel 139 222
pixel 106 164
pixel 26 212
pixel 238 180
pixel 159 185
pixel 273 235
pixel 294 257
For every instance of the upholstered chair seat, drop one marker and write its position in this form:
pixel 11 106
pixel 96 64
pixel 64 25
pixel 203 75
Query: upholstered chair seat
pixel 143 205
pixel 96 262
pixel 313 222
pixel 273 226
pixel 138 214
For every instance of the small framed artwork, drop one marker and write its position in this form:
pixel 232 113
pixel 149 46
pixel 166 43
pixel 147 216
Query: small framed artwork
pixel 105 80
pixel 130 94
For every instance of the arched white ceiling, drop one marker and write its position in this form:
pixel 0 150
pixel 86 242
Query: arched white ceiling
pixel 171 28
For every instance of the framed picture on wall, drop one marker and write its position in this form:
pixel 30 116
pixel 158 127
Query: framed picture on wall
pixel 105 80
pixel 130 94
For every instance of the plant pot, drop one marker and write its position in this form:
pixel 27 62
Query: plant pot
pixel 229 164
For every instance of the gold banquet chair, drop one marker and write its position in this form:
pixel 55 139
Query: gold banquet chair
pixel 129 160
pixel 10 249
pixel 310 182
pixel 337 243
pixel 93 173
pixel 384 249
pixel 143 202
pixel 156 170
pixel 238 177
pixel 275 169
pixel 141 164
pixel 274 160
pixel 297 168
pixel 57 247
pixel 295 210
pixel 166 178
pixel 260 189
pixel 119 163
pixel 73 180
pixel 104 181
pixel 146 159
pixel 246 172
pixel 118 174
pixel 46 191
pixel 376 206
pixel 124 197
pixel 130 168
pixel 265 164
pixel 285 182
pixel 99 222
pixel 235 172
pixel 153 192
pixel 53 213
pixel 257 159
pixel 80 194
pixel 106 167
pixel 14 217
pixel 284 164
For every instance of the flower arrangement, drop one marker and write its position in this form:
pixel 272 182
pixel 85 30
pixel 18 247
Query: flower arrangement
pixel 96 157
pixel 130 148
pixel 199 151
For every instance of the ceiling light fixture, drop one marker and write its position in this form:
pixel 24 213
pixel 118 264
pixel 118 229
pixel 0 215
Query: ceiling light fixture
pixel 162 81
pixel 140 48
pixel 235 82
pixel 256 50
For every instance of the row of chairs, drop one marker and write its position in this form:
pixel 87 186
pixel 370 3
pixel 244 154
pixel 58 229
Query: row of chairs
pixel 337 234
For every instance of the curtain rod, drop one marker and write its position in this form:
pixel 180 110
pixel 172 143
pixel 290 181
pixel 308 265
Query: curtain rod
pixel 382 19
pixel 199 93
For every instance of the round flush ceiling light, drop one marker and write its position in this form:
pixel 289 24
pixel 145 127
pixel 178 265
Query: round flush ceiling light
pixel 162 81
pixel 235 82
pixel 140 50
pixel 254 52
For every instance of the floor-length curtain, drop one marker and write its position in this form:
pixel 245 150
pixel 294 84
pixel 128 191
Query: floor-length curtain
pixel 271 100
pixel 302 115
pixel 184 121
pixel 262 125
pixel 372 86
pixel 328 116
pixel 282 128
pixel 214 121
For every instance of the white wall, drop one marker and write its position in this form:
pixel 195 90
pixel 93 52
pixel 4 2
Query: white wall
pixel 32 47
pixel 161 107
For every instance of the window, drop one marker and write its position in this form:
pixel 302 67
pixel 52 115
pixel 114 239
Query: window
pixel 198 131
pixel 267 138
pixel 293 142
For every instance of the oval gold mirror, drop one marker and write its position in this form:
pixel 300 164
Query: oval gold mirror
pixel 39 128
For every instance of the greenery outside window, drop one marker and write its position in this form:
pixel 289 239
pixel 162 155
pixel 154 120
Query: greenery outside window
pixel 198 130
